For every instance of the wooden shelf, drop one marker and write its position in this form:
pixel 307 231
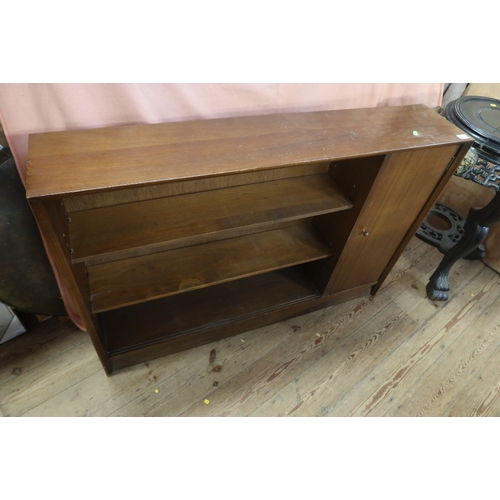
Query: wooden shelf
pixel 198 313
pixel 125 282
pixel 179 221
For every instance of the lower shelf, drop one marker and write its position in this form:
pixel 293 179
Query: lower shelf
pixel 142 332
pixel 186 320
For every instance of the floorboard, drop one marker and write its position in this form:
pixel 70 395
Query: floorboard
pixel 395 376
pixel 395 355
pixel 481 396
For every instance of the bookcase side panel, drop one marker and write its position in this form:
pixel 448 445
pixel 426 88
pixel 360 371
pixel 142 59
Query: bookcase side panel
pixel 50 219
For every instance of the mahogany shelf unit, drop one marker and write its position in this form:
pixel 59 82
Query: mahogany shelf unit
pixel 169 236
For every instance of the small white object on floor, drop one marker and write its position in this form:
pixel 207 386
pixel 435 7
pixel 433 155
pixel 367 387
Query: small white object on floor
pixel 10 326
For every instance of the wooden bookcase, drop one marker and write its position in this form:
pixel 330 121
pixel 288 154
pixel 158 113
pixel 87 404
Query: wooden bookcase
pixel 169 236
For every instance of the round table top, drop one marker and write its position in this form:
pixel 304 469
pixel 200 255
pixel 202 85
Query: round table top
pixel 480 118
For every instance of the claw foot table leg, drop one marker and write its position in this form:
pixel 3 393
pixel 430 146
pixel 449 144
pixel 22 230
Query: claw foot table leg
pixel 475 230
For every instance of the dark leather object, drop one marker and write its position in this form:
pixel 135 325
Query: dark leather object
pixel 27 281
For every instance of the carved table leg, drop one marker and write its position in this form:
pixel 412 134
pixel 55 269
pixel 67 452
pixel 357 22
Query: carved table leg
pixel 475 230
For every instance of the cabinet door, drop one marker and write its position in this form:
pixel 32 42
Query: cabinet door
pixel 403 185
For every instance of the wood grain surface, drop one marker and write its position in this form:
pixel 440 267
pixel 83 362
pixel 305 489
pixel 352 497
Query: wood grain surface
pixel 139 155
pixel 166 273
pixel 390 209
pixel 151 224
pixel 131 195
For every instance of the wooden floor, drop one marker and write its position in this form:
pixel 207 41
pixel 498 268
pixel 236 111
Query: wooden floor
pixel 395 354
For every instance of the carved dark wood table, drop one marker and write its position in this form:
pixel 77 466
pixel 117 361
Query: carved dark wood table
pixel 479 117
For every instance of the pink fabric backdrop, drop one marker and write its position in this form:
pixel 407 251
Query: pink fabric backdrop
pixel 44 107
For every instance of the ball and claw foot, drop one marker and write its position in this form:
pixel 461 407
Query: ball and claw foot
pixel 438 288
pixel 475 230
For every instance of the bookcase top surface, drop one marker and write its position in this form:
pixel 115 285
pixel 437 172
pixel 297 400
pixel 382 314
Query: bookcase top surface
pixel 92 160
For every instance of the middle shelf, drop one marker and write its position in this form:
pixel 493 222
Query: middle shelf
pixel 130 281
pixel 99 235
